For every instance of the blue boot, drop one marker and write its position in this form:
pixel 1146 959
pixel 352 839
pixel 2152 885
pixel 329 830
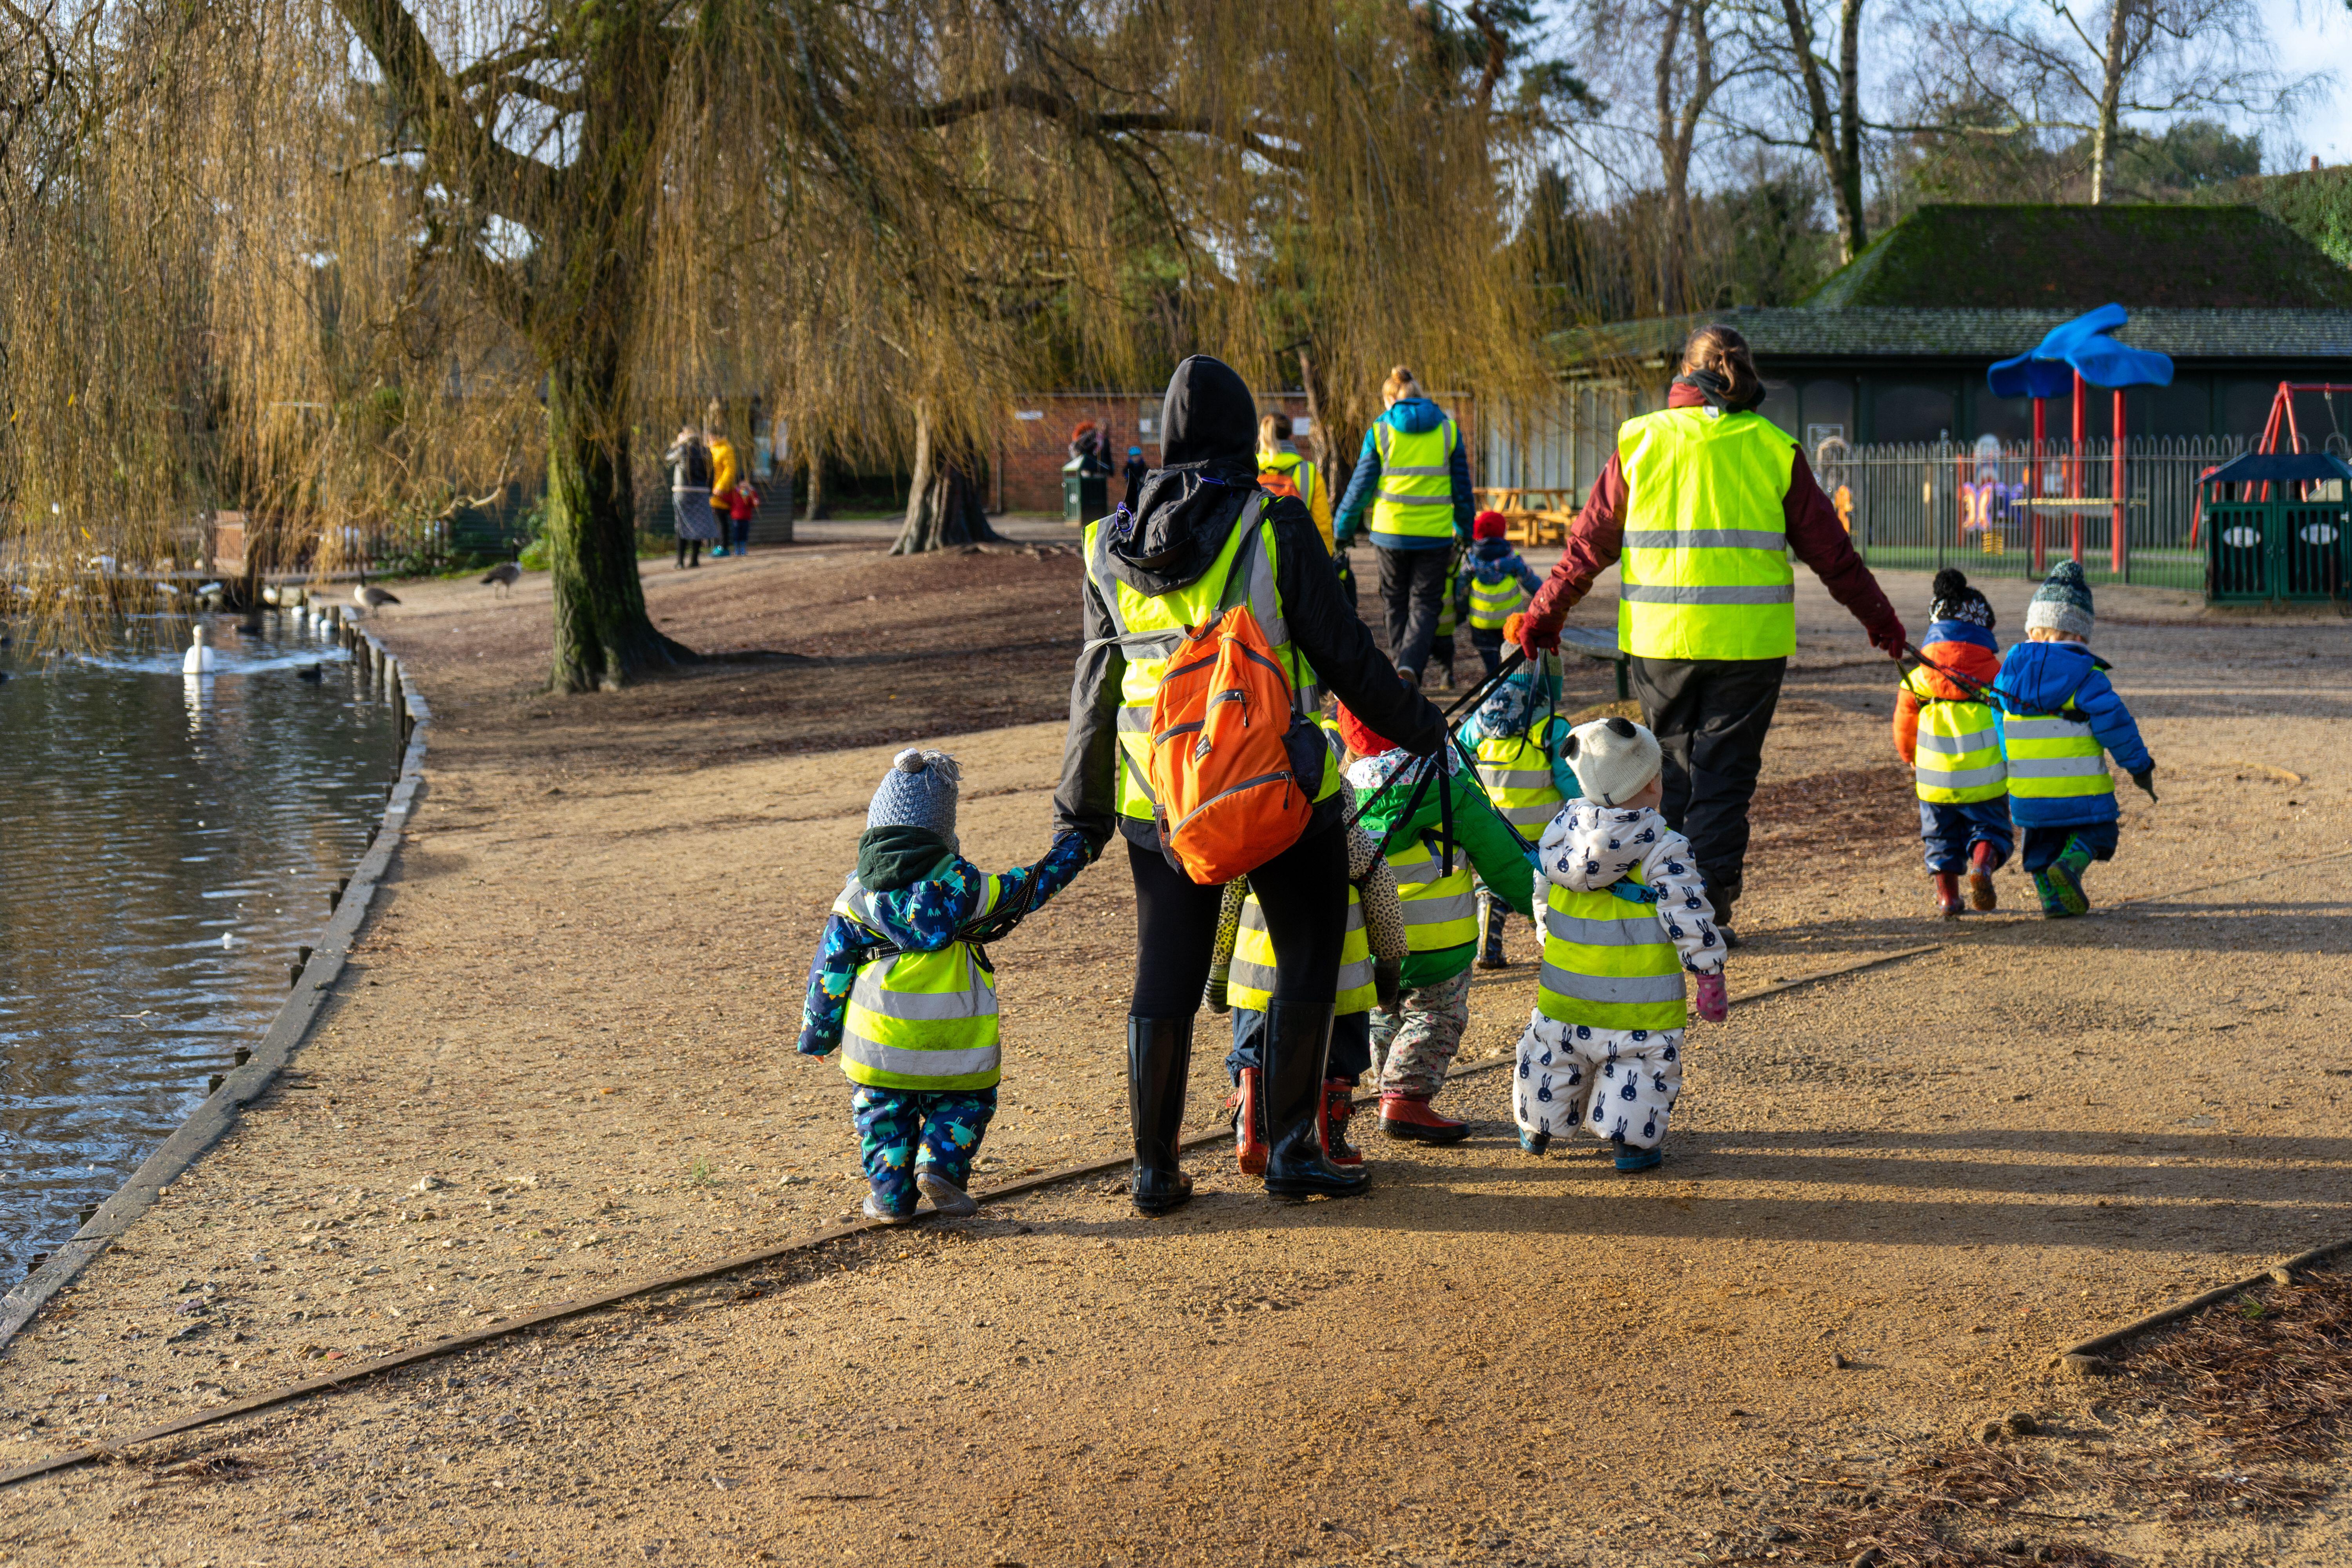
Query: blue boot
pixel 1633 1159
pixel 1534 1142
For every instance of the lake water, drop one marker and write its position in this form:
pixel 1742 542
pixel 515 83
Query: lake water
pixel 166 842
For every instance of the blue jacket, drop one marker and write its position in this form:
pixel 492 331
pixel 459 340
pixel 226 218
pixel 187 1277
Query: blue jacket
pixel 2037 677
pixel 1491 560
pixel 1412 416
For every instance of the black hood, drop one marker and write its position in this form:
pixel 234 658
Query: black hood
pixel 1185 510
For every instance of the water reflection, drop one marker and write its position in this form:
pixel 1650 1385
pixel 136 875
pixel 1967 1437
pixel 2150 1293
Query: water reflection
pixel 159 860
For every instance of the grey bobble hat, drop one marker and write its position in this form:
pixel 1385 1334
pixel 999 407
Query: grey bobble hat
pixel 2062 602
pixel 1614 759
pixel 919 791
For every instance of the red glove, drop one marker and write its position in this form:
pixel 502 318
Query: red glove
pixel 1713 1006
pixel 1533 639
pixel 1890 639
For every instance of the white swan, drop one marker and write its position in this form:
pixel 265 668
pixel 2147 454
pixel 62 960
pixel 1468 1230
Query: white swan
pixel 199 660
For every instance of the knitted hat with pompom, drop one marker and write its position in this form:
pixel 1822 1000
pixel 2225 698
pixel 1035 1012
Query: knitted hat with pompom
pixel 919 791
pixel 2062 602
pixel 1951 599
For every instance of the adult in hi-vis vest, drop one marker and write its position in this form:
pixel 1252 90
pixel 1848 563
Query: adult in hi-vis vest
pixel 1413 477
pixel 1203 538
pixel 1700 507
pixel 1282 470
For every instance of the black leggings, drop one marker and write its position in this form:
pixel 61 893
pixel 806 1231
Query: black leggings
pixel 1303 892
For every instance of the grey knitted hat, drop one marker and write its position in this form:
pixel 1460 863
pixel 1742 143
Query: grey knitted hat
pixel 2062 602
pixel 919 791
pixel 1614 759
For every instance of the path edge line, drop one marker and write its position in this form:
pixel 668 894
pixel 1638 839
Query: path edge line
pixel 2089 1354
pixel 211 1121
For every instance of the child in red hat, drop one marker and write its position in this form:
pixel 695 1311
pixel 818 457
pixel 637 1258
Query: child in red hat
pixel 1497 583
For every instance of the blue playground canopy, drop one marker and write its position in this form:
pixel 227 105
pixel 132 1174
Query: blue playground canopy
pixel 2081 345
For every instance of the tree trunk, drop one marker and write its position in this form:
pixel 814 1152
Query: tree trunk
pixel 1673 160
pixel 1324 455
pixel 2111 87
pixel 944 508
pixel 819 505
pixel 603 636
pixel 1836 134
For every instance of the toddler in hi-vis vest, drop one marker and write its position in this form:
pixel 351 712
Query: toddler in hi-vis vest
pixel 2061 718
pixel 1950 735
pixel 902 984
pixel 1625 914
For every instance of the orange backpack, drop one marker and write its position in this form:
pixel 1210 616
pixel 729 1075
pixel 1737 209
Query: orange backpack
pixel 1277 482
pixel 1225 781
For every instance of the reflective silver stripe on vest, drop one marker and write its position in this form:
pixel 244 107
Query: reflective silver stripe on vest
pixel 1461 906
pixel 1393 498
pixel 1617 988
pixel 1716 594
pixel 1965 778
pixel 898 1059
pixel 2052 728
pixel 1135 720
pixel 1538 816
pixel 1634 931
pixel 2056 767
pixel 1513 778
pixel 1414 473
pixel 1956 745
pixel 1248 976
pixel 1705 539
pixel 923 1006
pixel 1419 871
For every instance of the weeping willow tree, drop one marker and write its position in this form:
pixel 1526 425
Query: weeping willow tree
pixel 337 263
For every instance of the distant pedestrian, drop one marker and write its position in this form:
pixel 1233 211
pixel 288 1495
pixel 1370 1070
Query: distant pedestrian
pixel 2061 716
pixel 1625 914
pixel 1413 476
pixel 1950 736
pixel 1282 471
pixel 690 494
pixel 742 506
pixel 1499 584
pixel 901 987
pixel 726 469
pixel 1137 469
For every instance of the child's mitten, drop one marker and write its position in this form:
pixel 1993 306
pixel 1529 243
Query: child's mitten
pixel 2146 779
pixel 1388 978
pixel 1713 1006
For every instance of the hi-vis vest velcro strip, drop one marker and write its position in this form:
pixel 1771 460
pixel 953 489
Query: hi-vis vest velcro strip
pixel 1250 980
pixel 1704 562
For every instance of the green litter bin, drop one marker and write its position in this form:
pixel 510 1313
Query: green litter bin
pixel 1085 495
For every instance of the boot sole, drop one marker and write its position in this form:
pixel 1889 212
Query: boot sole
pixel 1981 897
pixel 1252 1164
pixel 1494 963
pixel 1413 1134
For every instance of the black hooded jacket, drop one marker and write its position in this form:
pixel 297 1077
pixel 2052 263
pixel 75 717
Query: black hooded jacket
pixel 1185 513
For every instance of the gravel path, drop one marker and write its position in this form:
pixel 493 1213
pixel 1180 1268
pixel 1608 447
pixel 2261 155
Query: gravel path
pixel 560 1058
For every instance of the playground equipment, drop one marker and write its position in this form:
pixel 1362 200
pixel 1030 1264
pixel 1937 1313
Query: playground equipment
pixel 2281 527
pixel 2071 356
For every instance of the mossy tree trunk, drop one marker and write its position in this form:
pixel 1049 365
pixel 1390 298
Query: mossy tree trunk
pixel 943 501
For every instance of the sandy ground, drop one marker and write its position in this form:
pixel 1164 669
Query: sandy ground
pixel 561 1058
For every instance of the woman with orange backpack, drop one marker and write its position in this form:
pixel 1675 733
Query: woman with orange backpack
pixel 1207 561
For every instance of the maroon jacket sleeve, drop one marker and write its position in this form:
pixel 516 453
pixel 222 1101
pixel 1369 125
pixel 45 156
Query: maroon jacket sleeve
pixel 1595 541
pixel 1819 540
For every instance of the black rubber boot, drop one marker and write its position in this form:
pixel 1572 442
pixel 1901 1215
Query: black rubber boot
pixel 1297 1042
pixel 1159 1061
pixel 1492 912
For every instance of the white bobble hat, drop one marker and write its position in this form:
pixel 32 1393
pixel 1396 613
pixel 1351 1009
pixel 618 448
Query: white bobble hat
pixel 1614 759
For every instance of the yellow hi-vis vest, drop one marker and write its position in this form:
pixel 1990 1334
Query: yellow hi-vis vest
pixel 1148 626
pixel 1608 963
pixel 1704 568
pixel 1492 604
pixel 1250 982
pixel 1957 754
pixel 1276 470
pixel 1516 771
pixel 1441 910
pixel 1416 485
pixel 920 1020
pixel 2054 755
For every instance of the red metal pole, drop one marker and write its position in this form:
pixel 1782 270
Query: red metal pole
pixel 2115 530
pixel 2075 477
pixel 2033 478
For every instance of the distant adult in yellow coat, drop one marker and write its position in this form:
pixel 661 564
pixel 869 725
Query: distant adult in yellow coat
pixel 1282 471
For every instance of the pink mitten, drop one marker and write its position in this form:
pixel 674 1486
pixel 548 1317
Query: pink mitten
pixel 1712 1004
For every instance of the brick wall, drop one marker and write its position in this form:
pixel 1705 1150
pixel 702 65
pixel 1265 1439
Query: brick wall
pixel 1030 452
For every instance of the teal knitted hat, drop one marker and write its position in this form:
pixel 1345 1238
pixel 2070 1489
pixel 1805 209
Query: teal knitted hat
pixel 2062 602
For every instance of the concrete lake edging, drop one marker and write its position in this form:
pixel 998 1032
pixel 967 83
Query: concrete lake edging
pixel 242 1085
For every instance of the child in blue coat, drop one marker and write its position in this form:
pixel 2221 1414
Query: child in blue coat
pixel 2061 719
pixel 1496 584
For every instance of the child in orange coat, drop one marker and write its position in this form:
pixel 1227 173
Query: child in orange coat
pixel 1951 738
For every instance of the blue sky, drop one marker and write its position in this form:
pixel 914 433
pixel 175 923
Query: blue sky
pixel 2311 35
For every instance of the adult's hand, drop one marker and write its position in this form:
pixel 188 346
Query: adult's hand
pixel 1533 637
pixel 1890 639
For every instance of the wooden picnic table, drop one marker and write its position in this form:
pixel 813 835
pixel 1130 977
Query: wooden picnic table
pixel 1536 515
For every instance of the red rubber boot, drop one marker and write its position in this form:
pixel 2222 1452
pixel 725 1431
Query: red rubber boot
pixel 1249 1123
pixel 1404 1117
pixel 1948 895
pixel 1339 1104
pixel 1980 893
